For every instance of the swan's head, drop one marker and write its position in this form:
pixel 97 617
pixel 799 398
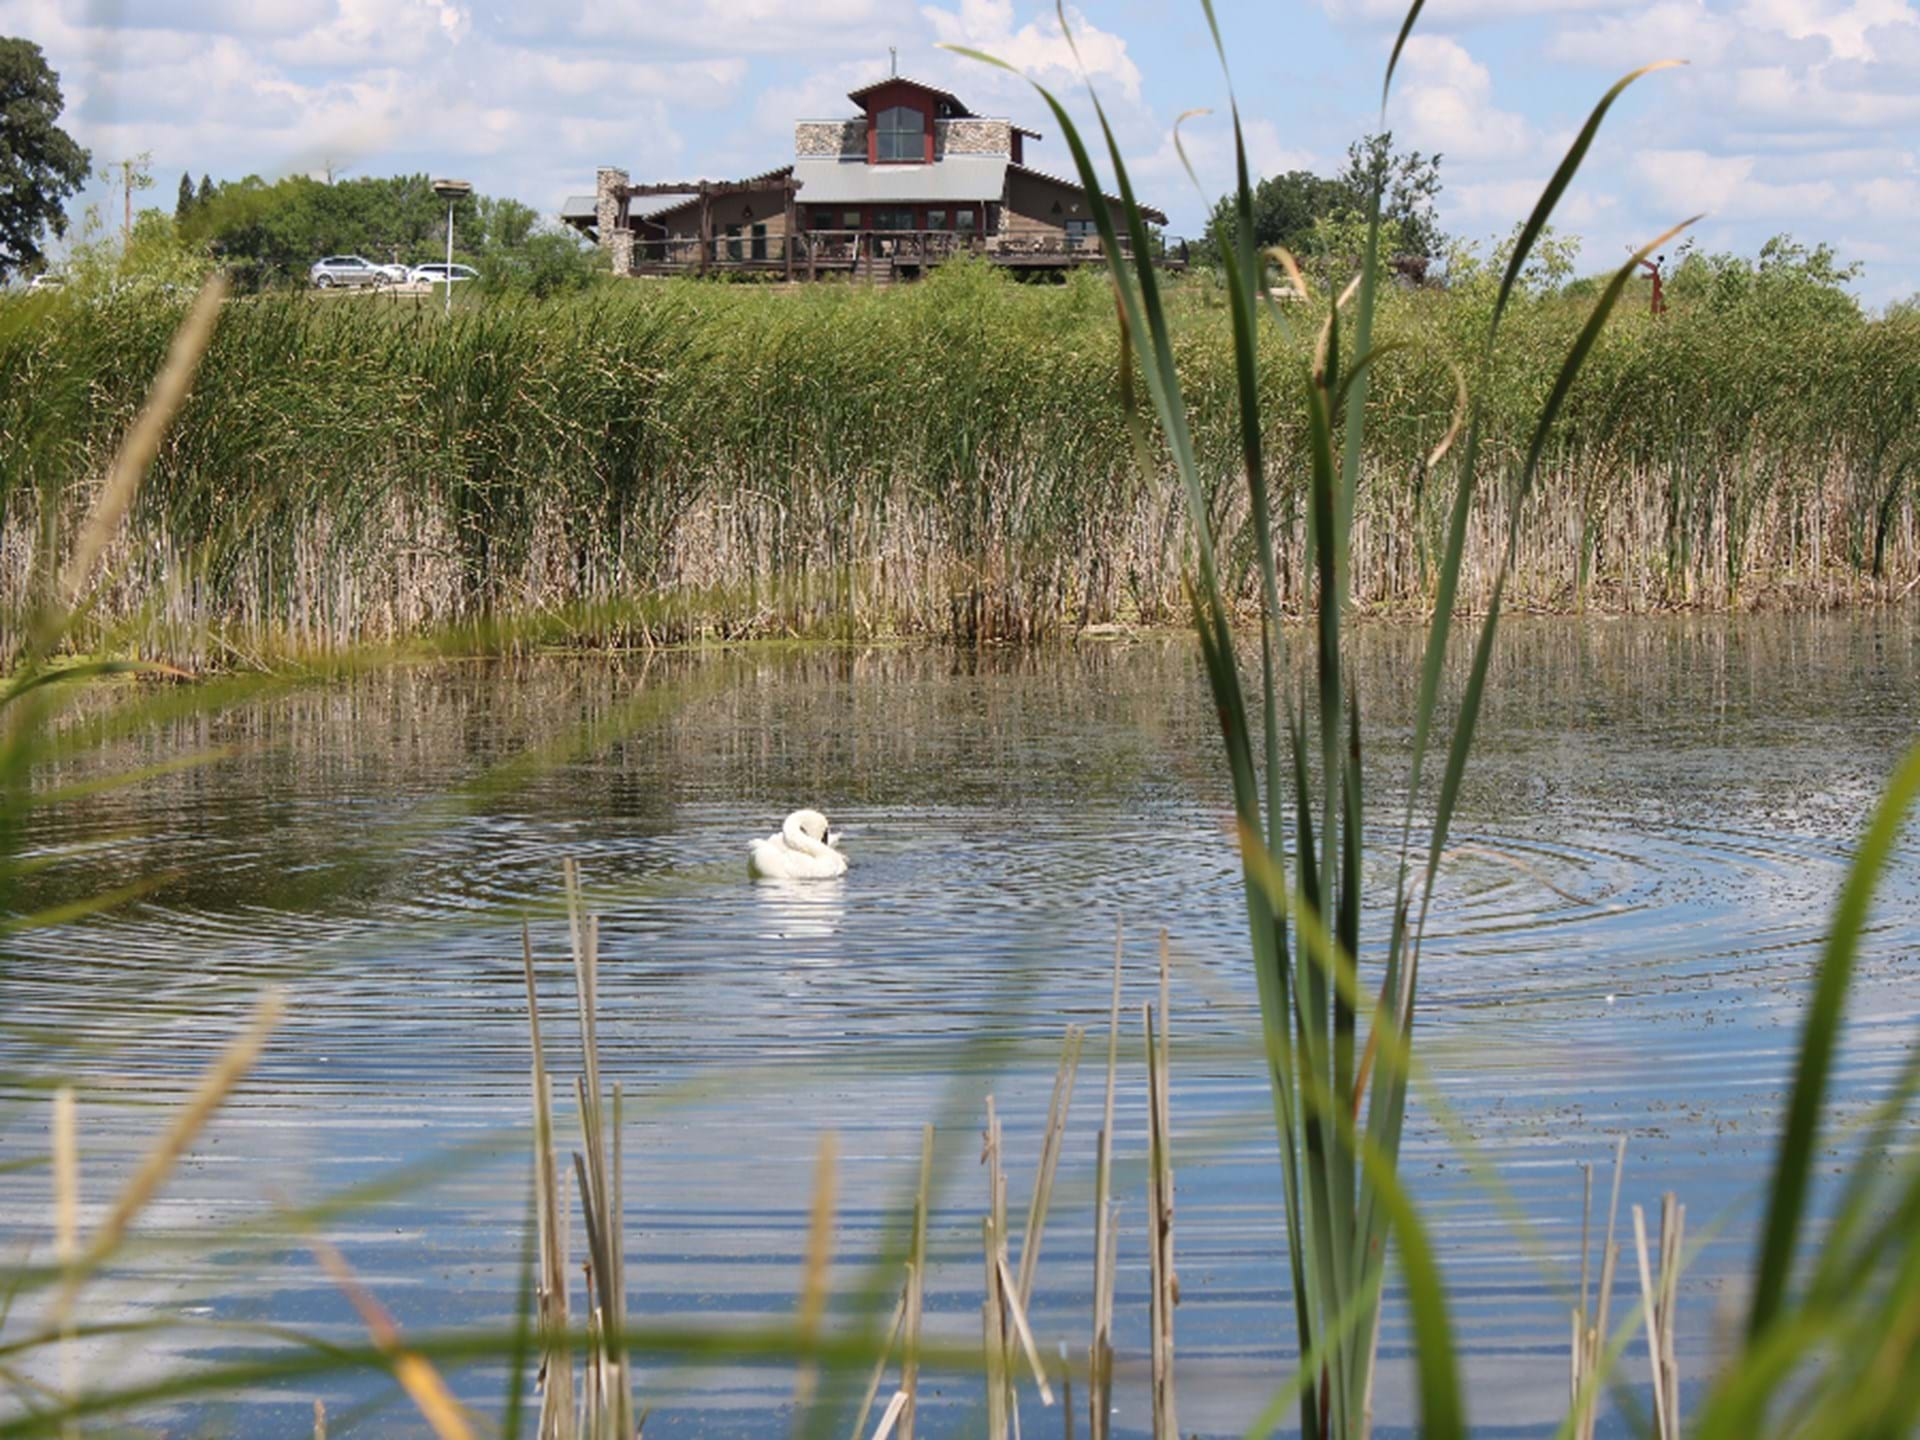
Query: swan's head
pixel 810 827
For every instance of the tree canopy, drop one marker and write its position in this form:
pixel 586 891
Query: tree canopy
pixel 1310 214
pixel 40 165
pixel 268 233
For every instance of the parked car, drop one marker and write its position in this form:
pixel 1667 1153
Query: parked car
pixel 346 270
pixel 436 273
pixel 396 274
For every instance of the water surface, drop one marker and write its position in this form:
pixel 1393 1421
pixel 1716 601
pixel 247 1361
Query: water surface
pixel 1652 833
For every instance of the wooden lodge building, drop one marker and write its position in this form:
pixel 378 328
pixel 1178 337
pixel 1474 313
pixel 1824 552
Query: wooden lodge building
pixel 911 179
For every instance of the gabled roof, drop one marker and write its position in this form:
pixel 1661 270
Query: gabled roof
pixel 1147 212
pixel 859 97
pixel 655 212
pixel 581 207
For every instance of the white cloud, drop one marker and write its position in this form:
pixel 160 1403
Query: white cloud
pixel 1465 12
pixel 1445 104
pixel 1843 27
pixel 1669 29
pixel 1040 48
pixel 1726 187
pixel 781 27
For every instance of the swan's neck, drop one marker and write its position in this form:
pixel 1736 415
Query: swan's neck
pixel 798 839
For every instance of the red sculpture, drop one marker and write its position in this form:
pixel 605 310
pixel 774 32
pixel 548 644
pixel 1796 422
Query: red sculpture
pixel 1652 267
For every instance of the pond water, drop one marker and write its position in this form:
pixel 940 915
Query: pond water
pixel 1652 833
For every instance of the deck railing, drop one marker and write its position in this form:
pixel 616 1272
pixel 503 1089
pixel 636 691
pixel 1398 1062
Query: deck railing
pixel 811 251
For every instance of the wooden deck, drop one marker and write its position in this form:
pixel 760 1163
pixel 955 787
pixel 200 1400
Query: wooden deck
pixel 878 255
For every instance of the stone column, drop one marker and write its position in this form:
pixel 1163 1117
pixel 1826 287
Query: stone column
pixel 610 217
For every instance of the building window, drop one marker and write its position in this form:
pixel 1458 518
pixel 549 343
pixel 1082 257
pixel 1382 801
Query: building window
pixel 963 220
pixel 900 134
pixel 936 219
pixel 893 220
pixel 1081 230
pixel 733 242
pixel 850 220
pixel 759 233
pixel 823 219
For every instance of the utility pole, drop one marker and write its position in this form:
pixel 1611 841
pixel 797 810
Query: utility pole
pixel 133 176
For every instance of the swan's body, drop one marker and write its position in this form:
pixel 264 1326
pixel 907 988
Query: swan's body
pixel 801 850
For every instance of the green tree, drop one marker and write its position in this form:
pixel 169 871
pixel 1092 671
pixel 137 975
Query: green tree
pixel 205 193
pixel 505 223
pixel 1407 183
pixel 1786 285
pixel 183 206
pixel 40 165
pixel 549 261
pixel 1288 208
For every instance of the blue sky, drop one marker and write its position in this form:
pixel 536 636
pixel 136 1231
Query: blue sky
pixel 1795 115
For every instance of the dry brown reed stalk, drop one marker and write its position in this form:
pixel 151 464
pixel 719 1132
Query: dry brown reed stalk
pixel 608 1388
pixel 1007 1296
pixel 1590 1331
pixel 880 1364
pixel 813 1285
pixel 916 1288
pixel 142 442
pixel 1659 1292
pixel 1105 1237
pixel 417 1377
pixel 319 1420
pixel 1052 1144
pixel 550 1209
pixel 1165 1281
pixel 66 1224
pixel 993 1337
pixel 604 1409
pixel 995 1327
pixel 896 1407
pixel 207 1097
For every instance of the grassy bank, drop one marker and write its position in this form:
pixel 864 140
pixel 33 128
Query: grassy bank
pixel 949 459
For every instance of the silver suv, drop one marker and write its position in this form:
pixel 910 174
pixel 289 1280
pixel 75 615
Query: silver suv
pixel 346 270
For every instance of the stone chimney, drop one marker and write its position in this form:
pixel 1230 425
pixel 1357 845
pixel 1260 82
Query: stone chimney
pixel 610 217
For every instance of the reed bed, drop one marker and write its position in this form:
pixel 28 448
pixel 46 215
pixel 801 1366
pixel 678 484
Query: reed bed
pixel 948 459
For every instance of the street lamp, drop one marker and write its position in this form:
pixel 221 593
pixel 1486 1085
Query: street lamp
pixel 451 191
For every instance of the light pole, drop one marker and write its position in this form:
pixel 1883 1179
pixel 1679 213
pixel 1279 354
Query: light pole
pixel 451 191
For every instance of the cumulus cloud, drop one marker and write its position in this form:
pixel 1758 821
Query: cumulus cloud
pixel 1446 104
pixel 1040 48
pixel 1465 12
pixel 1679 29
pixel 1728 187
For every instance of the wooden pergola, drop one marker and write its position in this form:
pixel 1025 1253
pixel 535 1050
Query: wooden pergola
pixel 705 191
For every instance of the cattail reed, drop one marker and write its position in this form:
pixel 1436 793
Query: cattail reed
pixel 672 462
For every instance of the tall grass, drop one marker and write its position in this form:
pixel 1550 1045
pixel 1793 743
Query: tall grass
pixel 947 459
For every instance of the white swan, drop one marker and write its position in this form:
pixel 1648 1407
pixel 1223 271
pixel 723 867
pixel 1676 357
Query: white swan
pixel 802 850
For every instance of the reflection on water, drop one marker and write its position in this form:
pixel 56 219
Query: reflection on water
pixel 1651 834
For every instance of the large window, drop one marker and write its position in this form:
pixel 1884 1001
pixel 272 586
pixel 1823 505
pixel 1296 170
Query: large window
pixel 900 132
pixel 893 220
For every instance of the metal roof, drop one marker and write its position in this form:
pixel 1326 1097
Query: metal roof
pixel 960 109
pixel 580 207
pixel 956 179
pixel 1147 212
